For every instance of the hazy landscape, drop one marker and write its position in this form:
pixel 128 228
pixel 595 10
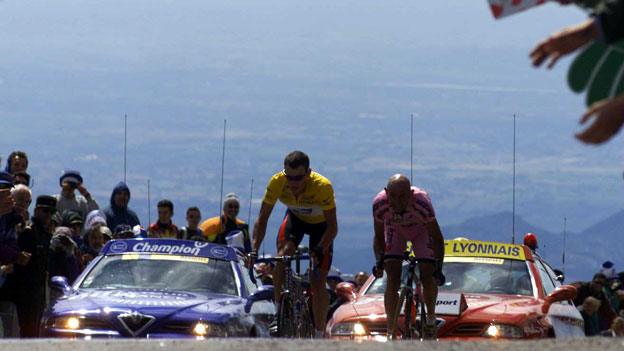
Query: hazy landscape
pixel 337 80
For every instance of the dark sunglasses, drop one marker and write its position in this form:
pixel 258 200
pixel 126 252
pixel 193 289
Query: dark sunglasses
pixel 294 178
pixel 233 206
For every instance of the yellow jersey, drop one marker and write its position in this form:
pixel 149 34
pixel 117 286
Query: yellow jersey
pixel 317 197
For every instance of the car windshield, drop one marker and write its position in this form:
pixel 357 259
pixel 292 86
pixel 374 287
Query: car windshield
pixel 476 275
pixel 165 272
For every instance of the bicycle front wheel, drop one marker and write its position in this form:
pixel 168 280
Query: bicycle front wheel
pixel 285 322
pixel 394 333
pixel 305 324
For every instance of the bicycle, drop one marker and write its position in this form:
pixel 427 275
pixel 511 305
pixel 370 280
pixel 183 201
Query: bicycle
pixel 411 296
pixel 294 315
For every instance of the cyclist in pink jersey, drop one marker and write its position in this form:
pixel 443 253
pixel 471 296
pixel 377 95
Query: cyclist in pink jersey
pixel 401 213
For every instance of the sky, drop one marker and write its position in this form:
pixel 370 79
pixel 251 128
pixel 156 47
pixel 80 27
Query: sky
pixel 337 79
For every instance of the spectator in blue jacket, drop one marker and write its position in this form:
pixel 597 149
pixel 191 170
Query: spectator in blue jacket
pixel 118 212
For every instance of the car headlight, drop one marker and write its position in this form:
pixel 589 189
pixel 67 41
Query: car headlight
pixel 503 331
pixel 349 329
pixel 204 329
pixel 69 322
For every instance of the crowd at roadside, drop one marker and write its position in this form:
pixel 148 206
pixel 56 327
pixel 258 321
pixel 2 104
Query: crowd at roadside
pixel 601 302
pixel 65 231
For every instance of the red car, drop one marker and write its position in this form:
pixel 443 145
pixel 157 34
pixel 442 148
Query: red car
pixel 492 291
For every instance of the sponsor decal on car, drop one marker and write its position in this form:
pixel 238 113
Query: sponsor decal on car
pixel 471 248
pixel 136 256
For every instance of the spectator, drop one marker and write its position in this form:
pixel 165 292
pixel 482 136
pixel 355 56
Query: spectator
pixel 31 279
pixel 17 162
pixel 123 231
pixel 216 229
pixel 616 330
pixel 21 178
pixel 608 269
pixel 118 212
pixel 360 279
pixel 23 198
pixel 92 244
pixel 82 203
pixel 64 255
pixel 164 227
pixel 192 231
pixel 595 289
pixel 9 219
pixel 589 309
pixel 73 221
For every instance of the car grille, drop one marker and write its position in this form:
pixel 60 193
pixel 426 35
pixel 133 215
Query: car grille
pixel 177 327
pixel 467 330
pixel 95 324
pixel 135 322
pixel 376 328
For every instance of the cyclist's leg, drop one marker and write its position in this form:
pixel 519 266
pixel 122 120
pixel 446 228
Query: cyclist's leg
pixel 393 283
pixel 287 241
pixel 318 277
pixel 394 247
pixel 424 251
pixel 430 287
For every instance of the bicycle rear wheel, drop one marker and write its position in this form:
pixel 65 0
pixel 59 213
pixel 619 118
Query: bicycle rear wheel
pixel 285 322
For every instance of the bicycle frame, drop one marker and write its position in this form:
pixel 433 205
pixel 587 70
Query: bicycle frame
pixel 294 316
pixel 412 303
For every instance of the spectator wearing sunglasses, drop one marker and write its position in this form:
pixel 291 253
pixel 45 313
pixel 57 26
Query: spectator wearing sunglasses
pixel 30 279
pixel 217 229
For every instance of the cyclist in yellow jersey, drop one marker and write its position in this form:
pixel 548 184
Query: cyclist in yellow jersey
pixel 311 210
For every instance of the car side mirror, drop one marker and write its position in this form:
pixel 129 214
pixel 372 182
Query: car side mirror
pixel 559 275
pixel 561 293
pixel 60 286
pixel 346 291
pixel 264 293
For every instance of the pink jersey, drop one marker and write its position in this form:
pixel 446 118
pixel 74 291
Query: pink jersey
pixel 409 225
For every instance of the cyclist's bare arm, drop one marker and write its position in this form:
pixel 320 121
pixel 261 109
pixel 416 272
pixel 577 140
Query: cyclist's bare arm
pixel 259 230
pixel 378 241
pixel 438 239
pixel 331 231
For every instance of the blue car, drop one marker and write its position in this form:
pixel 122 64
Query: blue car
pixel 160 288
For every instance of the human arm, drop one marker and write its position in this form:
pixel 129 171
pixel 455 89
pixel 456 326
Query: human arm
pixel 331 231
pixel 7 203
pixel 259 230
pixel 564 42
pixel 608 117
pixel 438 240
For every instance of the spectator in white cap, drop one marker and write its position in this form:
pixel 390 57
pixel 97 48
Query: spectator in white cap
pixel 82 203
pixel 217 229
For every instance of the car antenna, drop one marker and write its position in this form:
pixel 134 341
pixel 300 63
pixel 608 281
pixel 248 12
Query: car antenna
pixel 513 211
pixel 565 221
pixel 222 165
pixel 412 148
pixel 149 206
pixel 125 145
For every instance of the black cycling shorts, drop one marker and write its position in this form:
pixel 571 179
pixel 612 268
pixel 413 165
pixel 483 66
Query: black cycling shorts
pixel 293 229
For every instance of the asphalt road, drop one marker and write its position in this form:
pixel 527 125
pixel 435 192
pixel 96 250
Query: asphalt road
pixel 602 344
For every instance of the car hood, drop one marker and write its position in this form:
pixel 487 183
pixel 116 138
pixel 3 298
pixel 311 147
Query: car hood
pixel 157 303
pixel 478 307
